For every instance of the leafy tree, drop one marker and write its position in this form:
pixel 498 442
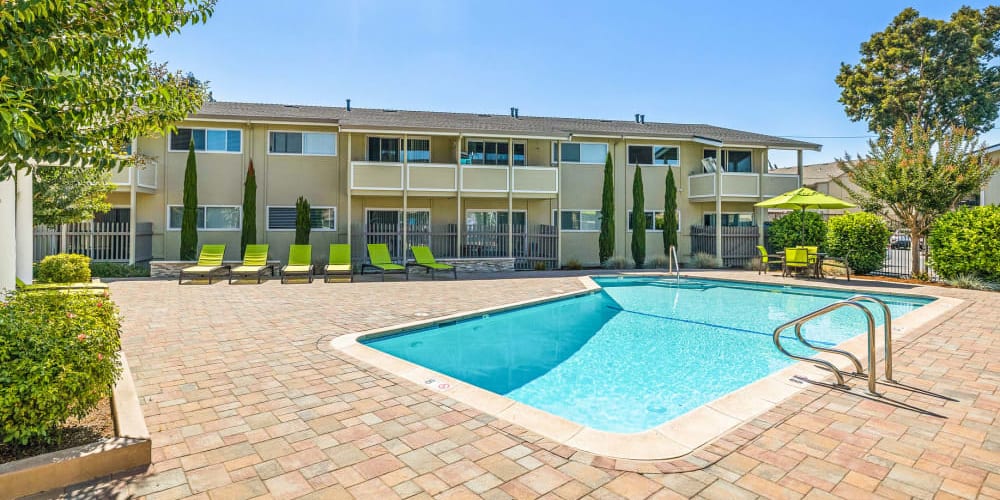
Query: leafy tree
pixel 189 219
pixel 63 195
pixel 638 220
pixel 669 212
pixel 303 225
pixel 913 176
pixel 76 79
pixel 927 72
pixel 606 241
pixel 248 235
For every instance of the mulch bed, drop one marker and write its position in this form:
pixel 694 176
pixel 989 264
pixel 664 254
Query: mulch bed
pixel 96 425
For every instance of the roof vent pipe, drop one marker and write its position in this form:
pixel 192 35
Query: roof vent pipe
pixel 642 119
pixel 637 117
pixel 348 104
pixel 515 113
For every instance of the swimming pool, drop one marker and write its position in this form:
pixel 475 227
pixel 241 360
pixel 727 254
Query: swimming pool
pixel 637 353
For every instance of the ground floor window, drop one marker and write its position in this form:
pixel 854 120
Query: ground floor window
pixel 391 220
pixel 578 220
pixel 210 217
pixel 655 220
pixel 282 218
pixel 742 219
pixel 495 218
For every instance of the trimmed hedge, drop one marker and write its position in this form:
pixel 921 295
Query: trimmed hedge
pixel 967 242
pixel 786 232
pixel 59 357
pixel 64 268
pixel 860 237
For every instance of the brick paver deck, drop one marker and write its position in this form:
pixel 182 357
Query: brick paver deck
pixel 244 398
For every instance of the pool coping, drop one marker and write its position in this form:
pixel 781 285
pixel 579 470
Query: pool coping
pixel 670 440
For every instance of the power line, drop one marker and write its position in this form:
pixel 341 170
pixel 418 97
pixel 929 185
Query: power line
pixel 828 136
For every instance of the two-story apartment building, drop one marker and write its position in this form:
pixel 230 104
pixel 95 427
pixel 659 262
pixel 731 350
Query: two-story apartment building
pixel 471 185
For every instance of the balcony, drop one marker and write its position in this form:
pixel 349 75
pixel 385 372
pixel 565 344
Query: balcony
pixel 146 182
pixel 434 177
pixel 375 176
pixel 484 179
pixel 536 180
pixel 441 179
pixel 740 186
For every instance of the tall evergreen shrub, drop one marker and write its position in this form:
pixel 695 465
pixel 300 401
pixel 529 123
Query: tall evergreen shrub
pixel 248 235
pixel 606 241
pixel 638 220
pixel 189 218
pixel 302 224
pixel 669 212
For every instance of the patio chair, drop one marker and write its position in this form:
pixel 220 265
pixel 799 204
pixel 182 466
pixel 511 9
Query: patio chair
pixel 299 263
pixel 254 263
pixel 765 260
pixel 339 263
pixel 209 263
pixel 378 255
pixel 425 259
pixel 814 260
pixel 795 258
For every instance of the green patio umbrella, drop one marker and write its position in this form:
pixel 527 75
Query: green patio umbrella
pixel 802 199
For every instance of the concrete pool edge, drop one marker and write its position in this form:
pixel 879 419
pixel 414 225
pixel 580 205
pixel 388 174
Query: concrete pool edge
pixel 673 439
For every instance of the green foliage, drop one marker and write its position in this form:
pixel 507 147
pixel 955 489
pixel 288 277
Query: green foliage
pixel 788 232
pixel 913 176
pixel 659 262
pixel 189 218
pixel 64 268
pixel 859 237
pixel 76 79
pixel 618 263
pixel 302 223
pixel 970 281
pixel 638 219
pixel 63 194
pixel 59 358
pixel 248 234
pixel 669 212
pixel 927 72
pixel 118 270
pixel 606 241
pixel 964 242
pixel 702 260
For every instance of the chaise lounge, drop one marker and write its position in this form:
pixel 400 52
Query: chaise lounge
pixel 254 264
pixel 425 258
pixel 299 263
pixel 378 255
pixel 209 263
pixel 339 263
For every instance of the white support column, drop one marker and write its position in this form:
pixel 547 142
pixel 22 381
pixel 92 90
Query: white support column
pixel 350 177
pixel 458 197
pixel 8 247
pixel 406 181
pixel 24 227
pixel 510 197
pixel 558 216
pixel 131 214
pixel 719 165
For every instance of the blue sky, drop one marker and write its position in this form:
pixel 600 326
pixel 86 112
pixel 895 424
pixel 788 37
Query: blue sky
pixel 761 66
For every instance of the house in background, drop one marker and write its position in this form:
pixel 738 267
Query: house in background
pixel 472 186
pixel 990 194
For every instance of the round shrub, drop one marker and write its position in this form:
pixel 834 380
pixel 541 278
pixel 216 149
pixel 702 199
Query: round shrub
pixel 786 232
pixel 59 357
pixel 859 237
pixel 64 268
pixel 965 243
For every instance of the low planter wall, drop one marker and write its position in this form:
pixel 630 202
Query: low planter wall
pixel 172 268
pixel 131 448
pixel 481 265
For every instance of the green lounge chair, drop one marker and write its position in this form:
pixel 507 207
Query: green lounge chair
pixel 209 263
pixel 378 255
pixel 425 259
pixel 795 258
pixel 254 263
pixel 339 263
pixel 299 263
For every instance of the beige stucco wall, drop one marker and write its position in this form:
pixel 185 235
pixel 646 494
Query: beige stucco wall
pixel 991 193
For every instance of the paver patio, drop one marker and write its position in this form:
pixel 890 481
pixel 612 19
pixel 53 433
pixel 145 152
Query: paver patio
pixel 245 398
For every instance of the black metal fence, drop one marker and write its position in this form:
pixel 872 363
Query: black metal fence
pixel 898 262
pixel 739 243
pixel 530 245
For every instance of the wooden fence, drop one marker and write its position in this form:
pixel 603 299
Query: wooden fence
pixel 739 243
pixel 528 244
pixel 101 241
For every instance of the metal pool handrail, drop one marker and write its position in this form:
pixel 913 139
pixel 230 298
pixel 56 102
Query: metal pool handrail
pixel 673 264
pixel 798 322
pixel 887 326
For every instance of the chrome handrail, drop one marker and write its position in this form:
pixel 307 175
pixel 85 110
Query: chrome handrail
pixel 798 322
pixel 887 325
pixel 673 264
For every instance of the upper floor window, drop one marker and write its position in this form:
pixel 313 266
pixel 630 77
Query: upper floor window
pixel 577 220
pixel 581 152
pixel 733 160
pixel 496 153
pixel 389 149
pixel 303 143
pixel 207 139
pixel 730 220
pixel 653 155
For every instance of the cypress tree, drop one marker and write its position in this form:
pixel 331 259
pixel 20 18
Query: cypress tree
pixel 638 220
pixel 606 241
pixel 248 235
pixel 669 213
pixel 302 224
pixel 189 219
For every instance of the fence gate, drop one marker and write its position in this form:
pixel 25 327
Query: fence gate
pixel 101 241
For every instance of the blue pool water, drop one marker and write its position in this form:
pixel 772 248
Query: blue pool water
pixel 636 354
